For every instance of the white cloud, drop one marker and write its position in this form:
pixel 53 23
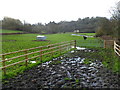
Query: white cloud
pixel 34 11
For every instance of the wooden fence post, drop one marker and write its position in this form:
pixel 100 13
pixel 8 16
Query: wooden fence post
pixel 75 44
pixel 116 48
pixel 4 69
pixel 104 44
pixel 68 46
pixel 26 57
pixel 51 53
pixel 114 45
pixel 60 49
pixel 40 54
pixel 71 44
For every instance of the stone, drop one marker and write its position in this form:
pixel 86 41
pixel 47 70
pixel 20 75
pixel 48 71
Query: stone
pixel 61 82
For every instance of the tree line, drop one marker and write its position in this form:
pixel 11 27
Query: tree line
pixel 111 26
pixel 83 25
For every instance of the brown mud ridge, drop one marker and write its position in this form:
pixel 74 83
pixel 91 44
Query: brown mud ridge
pixel 8 40
pixel 40 40
pixel 67 71
pixel 12 33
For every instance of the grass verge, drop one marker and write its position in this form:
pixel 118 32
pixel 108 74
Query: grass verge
pixel 106 56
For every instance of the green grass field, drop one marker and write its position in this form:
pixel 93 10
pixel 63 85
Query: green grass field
pixel 11 43
pixel 9 31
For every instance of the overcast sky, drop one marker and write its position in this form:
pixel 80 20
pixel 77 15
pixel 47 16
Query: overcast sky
pixel 44 11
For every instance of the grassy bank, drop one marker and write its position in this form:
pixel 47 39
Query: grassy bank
pixel 107 56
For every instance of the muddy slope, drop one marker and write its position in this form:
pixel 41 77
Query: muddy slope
pixel 67 71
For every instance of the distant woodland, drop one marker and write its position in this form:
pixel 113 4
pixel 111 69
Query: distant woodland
pixel 83 25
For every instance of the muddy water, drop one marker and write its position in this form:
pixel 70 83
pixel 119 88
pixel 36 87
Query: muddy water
pixel 72 72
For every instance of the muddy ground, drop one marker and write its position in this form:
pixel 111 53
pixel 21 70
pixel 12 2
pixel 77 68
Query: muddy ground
pixel 67 71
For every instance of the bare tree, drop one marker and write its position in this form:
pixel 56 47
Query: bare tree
pixel 116 18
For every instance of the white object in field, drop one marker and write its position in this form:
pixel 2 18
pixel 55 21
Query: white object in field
pixel 81 35
pixel 74 34
pixel 33 61
pixel 77 31
pixel 78 48
pixel 39 37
